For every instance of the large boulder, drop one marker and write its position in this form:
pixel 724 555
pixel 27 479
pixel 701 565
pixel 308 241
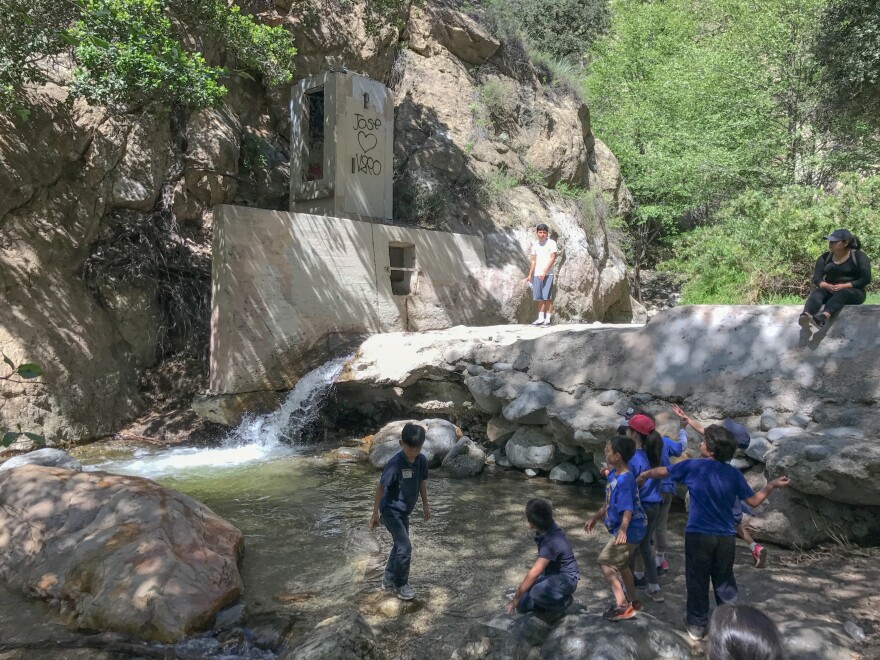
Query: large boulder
pixel 839 468
pixel 585 636
pixel 440 437
pixel 530 404
pixel 342 637
pixel 482 388
pixel 530 447
pixel 119 553
pixel 465 459
pixel 485 642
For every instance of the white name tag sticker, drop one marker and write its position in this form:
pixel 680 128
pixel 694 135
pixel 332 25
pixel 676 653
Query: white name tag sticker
pixel 407 474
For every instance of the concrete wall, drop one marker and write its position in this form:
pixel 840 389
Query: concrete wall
pixel 358 147
pixel 287 286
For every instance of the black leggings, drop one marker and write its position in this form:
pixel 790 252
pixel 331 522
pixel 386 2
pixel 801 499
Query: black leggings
pixel 834 302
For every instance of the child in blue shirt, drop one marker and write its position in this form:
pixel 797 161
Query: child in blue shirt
pixel 553 578
pixel 625 521
pixel 403 480
pixel 710 532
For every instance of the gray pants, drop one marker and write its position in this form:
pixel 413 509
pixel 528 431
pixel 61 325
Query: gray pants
pixel 661 541
pixel 652 513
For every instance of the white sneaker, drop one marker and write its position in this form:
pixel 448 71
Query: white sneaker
pixel 655 594
pixel 538 322
pixel 545 323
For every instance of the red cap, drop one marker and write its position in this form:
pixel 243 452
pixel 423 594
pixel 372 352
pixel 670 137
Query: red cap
pixel 641 423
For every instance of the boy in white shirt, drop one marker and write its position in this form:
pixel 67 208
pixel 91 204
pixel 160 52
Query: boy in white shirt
pixel 543 256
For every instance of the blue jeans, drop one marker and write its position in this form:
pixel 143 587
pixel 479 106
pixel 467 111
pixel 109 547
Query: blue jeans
pixel 397 568
pixel 550 592
pixel 708 557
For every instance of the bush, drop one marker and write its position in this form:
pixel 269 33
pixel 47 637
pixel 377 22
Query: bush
pixel 764 245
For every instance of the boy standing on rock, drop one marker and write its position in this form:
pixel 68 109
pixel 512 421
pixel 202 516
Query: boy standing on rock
pixel 540 277
pixel 403 480
pixel 553 578
pixel 710 534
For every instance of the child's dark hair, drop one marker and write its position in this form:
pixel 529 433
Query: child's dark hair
pixel 653 446
pixel 623 445
pixel 539 512
pixel 740 632
pixel 720 442
pixel 413 435
pixel 621 430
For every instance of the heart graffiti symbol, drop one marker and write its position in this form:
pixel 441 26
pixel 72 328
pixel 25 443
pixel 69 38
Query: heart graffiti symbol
pixel 365 139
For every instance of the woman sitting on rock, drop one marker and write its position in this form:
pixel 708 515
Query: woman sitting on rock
pixel 840 277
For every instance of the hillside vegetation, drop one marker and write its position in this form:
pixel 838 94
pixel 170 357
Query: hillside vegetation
pixel 745 131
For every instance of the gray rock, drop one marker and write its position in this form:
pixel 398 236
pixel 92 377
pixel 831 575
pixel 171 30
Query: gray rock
pixel 529 627
pixel 587 637
pixel 483 642
pixel 500 430
pixel 741 463
pixel 47 456
pixel 814 639
pixel 568 450
pixel 522 361
pixel 587 476
pixel 530 404
pixel 502 461
pixel 502 366
pixel 440 437
pixel 530 447
pixel 531 473
pixel 349 455
pixel 565 473
pixel 474 369
pixel 608 398
pixel 843 432
pixel 841 469
pixel 465 459
pixel 798 420
pixel 768 419
pixel 779 432
pixel 343 637
pixel 481 388
pixel 758 447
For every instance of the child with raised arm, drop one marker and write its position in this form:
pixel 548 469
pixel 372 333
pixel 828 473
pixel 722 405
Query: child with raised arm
pixel 403 480
pixel 625 521
pixel 553 578
pixel 710 536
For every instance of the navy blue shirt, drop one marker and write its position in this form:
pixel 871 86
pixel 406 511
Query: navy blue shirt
pixel 555 548
pixel 622 494
pixel 714 488
pixel 672 448
pixel 649 493
pixel 402 480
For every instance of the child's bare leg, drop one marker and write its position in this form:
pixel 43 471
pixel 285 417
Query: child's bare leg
pixel 610 574
pixel 628 583
pixel 743 533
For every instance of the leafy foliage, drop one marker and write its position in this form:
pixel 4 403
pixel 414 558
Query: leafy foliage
pixel 27 371
pixel 131 53
pixel 559 28
pixel 764 245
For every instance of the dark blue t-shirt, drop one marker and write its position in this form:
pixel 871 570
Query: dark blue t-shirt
pixel 672 448
pixel 649 493
pixel 622 494
pixel 402 480
pixel 554 547
pixel 714 488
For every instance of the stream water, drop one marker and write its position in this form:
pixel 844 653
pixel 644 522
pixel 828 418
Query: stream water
pixel 308 552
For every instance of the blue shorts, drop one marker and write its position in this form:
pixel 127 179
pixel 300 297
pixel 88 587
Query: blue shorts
pixel 542 287
pixel 739 508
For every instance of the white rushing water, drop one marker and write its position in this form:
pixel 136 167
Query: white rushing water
pixel 257 438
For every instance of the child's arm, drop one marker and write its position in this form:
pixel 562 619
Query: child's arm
pixel 685 420
pixel 534 259
pixel 596 517
pixel 528 581
pixel 654 473
pixel 374 519
pixel 620 539
pixel 423 491
pixel 761 495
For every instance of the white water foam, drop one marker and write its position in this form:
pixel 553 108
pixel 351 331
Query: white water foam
pixel 257 438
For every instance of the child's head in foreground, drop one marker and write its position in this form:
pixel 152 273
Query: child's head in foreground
pixel 622 445
pixel 412 437
pixel 539 513
pixel 719 443
pixel 740 632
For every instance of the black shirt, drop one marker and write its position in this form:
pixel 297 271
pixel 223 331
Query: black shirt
pixel 554 546
pixel 856 269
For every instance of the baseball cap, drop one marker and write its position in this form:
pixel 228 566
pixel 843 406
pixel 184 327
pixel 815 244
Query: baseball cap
pixel 740 432
pixel 641 423
pixel 840 235
pixel 628 413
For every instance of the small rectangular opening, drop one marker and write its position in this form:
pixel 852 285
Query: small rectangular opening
pixel 313 144
pixel 402 268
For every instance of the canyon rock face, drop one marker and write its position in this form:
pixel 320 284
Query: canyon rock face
pixel 106 219
pixel 116 553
